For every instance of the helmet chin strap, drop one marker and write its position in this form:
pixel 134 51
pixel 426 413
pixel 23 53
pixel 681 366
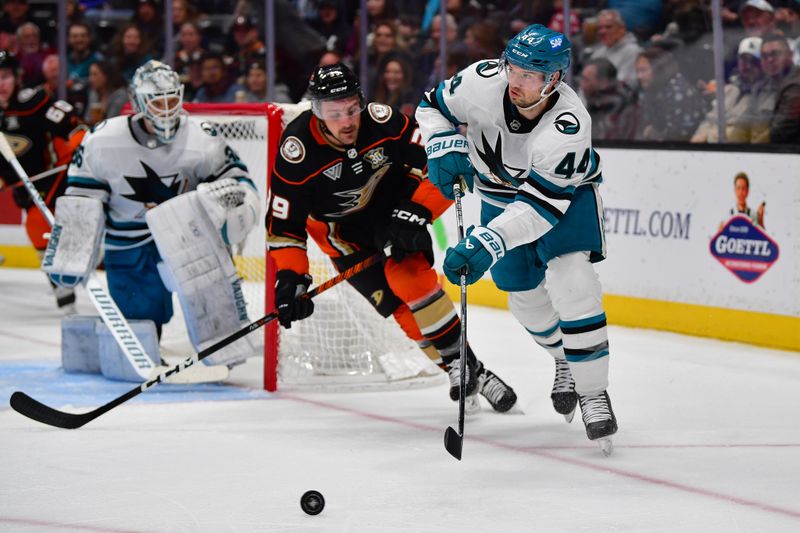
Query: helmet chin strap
pixel 543 96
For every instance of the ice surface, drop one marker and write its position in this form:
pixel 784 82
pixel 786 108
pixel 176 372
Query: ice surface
pixel 709 441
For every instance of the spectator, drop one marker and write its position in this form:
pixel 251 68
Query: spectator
pixel 377 11
pixel 738 99
pixel 617 45
pixel 384 42
pixel 482 40
pixel 129 50
pixel 15 14
pixel 331 23
pixel 427 74
pixel 107 92
pixel 408 31
pixel 256 86
pixel 148 17
pixel 187 58
pixel 643 17
pixel 182 12
pixel 784 126
pixel 218 85
pixel 757 19
pixel 31 54
pixel 395 84
pixel 76 91
pixel 787 20
pixel 611 103
pixel 79 52
pixel 776 62
pixel 247 46
pixel 669 107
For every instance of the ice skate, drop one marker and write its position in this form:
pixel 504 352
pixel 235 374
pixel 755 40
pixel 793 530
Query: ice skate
pixel 501 397
pixel 599 419
pixel 471 403
pixel 563 395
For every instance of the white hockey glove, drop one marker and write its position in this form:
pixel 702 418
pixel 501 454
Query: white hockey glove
pixel 232 206
pixel 74 245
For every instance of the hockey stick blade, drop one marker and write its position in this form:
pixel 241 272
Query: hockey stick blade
pixel 36 410
pixel 453 442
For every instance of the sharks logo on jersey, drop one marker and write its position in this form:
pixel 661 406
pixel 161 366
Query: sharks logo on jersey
pixel 152 189
pixel 499 172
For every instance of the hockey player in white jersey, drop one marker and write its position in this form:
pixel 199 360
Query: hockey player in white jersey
pixel 160 236
pixel 528 155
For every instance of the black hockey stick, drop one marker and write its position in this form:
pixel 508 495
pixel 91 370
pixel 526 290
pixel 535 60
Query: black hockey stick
pixel 25 405
pixel 454 440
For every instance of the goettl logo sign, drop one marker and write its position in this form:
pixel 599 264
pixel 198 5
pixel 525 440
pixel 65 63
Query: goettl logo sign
pixel 744 249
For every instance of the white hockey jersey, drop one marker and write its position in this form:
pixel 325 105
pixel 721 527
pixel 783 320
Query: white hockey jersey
pixel 130 171
pixel 528 167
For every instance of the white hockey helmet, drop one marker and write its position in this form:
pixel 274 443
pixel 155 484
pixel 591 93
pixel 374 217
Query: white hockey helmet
pixel 156 92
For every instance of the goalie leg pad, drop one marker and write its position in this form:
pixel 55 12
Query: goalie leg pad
pixel 206 281
pixel 74 244
pixel 80 348
pixel 113 362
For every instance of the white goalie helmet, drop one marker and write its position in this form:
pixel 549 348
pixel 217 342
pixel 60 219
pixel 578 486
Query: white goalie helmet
pixel 156 92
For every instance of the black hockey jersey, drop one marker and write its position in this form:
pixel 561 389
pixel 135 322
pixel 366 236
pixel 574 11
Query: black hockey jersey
pixel 31 122
pixel 343 196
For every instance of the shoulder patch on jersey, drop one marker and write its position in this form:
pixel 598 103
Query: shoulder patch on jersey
pixel 26 94
pixel 293 150
pixel 209 128
pixel 567 123
pixel 487 69
pixel 380 113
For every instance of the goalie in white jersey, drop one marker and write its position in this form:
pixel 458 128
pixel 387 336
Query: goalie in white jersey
pixel 528 153
pixel 159 235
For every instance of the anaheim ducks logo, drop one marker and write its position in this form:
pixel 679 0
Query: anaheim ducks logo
pixel 567 123
pixel 355 200
pixel 293 150
pixel 19 144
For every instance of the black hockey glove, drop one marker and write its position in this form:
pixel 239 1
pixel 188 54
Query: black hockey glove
pixel 289 285
pixel 408 231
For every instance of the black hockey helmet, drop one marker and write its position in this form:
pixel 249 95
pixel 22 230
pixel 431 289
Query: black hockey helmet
pixel 9 60
pixel 333 82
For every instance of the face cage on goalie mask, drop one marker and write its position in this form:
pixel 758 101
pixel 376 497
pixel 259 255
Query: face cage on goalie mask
pixel 163 114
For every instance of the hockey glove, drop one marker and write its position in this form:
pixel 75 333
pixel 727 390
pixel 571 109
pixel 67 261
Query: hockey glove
pixel 448 162
pixel 408 231
pixel 478 251
pixel 288 287
pixel 232 206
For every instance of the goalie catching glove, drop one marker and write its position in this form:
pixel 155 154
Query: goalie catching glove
pixel 448 162
pixel 408 231
pixel 232 206
pixel 477 252
pixel 289 286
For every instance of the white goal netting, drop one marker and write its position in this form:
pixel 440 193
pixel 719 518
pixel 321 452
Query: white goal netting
pixel 345 344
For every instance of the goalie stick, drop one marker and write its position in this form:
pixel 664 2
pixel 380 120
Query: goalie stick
pixel 112 317
pixel 35 410
pixel 454 440
pixel 37 177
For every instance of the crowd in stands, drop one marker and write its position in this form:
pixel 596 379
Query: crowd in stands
pixel 644 68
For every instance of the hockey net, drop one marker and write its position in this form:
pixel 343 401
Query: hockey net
pixel 345 344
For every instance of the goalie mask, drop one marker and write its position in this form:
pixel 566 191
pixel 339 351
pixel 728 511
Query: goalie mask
pixel 157 93
pixel 540 49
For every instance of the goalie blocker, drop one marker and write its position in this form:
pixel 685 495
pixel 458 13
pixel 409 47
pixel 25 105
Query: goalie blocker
pixel 198 267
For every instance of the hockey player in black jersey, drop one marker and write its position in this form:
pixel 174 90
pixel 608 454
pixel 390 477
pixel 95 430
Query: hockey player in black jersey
pixel 43 134
pixel 353 176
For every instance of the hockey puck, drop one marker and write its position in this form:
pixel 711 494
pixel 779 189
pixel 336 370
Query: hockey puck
pixel 312 502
